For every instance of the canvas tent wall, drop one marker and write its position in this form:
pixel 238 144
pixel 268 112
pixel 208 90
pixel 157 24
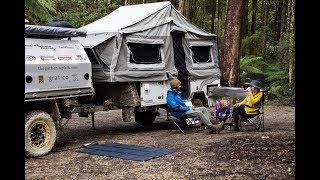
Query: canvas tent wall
pixel 141 43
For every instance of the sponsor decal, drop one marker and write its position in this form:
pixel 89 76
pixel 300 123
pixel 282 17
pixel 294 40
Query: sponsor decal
pixel 28 46
pixel 64 58
pixel 45 47
pixel 41 79
pixel 66 47
pixel 58 77
pixel 43 58
pixel 30 58
pixel 79 57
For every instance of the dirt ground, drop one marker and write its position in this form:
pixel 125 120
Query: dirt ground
pixel 248 154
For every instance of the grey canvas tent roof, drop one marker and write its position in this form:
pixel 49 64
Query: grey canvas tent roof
pixel 151 26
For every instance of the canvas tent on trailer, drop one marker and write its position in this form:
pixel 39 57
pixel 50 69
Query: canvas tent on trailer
pixel 151 42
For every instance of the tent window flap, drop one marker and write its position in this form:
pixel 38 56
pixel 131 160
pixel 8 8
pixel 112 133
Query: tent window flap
pixel 201 54
pixel 144 53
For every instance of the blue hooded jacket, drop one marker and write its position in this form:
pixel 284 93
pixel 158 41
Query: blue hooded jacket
pixel 175 103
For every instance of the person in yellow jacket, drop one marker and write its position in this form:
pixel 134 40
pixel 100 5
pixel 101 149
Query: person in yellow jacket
pixel 250 105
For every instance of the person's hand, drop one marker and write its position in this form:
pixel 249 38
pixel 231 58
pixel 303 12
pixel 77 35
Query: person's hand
pixel 192 107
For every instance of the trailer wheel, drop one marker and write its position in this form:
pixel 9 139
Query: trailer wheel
pixel 145 118
pixel 40 133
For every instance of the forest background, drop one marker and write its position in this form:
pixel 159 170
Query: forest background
pixel 260 33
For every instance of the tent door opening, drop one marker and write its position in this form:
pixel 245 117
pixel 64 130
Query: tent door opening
pixel 180 63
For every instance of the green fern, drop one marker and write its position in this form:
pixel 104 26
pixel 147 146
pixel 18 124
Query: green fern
pixel 251 66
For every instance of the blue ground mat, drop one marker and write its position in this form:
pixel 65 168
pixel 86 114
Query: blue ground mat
pixel 126 151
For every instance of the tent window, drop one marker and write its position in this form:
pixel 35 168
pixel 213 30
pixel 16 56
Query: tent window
pixel 201 54
pixel 144 53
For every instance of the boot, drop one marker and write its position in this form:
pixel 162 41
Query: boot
pixel 215 129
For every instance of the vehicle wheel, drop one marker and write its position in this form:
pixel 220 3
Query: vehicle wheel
pixel 145 118
pixel 40 133
pixel 197 103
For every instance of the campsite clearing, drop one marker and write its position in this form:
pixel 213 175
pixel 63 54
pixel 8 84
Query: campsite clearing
pixel 198 155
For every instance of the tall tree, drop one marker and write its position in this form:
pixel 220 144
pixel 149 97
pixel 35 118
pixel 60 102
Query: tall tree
pixel 253 17
pixel 283 19
pixel 187 8
pixel 265 28
pixel 213 14
pixel 253 23
pixel 232 43
pixel 181 6
pixel 291 40
pixel 244 28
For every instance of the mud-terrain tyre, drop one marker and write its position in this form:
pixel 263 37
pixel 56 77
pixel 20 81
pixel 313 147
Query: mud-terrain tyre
pixel 145 118
pixel 40 133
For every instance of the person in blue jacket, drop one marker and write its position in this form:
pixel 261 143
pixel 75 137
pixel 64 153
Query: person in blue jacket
pixel 178 108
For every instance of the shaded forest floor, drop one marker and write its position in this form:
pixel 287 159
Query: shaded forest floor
pixel 248 154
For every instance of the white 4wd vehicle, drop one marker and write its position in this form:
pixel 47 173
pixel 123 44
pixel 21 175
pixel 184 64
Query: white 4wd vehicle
pixel 56 69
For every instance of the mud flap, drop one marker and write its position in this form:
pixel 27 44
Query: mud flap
pixel 128 114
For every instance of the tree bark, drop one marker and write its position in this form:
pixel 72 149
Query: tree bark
pixel 213 14
pixel 244 28
pixel 253 24
pixel 283 19
pixel 291 41
pixel 187 9
pixel 278 19
pixel 232 43
pixel 265 29
pixel 254 15
pixel 181 7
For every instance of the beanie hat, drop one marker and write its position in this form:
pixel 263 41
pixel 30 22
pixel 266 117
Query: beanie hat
pixel 175 83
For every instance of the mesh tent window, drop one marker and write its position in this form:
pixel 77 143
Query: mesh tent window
pixel 201 54
pixel 144 53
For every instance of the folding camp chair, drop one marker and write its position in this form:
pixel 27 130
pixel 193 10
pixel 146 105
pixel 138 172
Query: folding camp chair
pixel 256 120
pixel 184 121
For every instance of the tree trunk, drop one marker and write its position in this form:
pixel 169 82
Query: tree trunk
pixel 265 30
pixel 213 13
pixel 278 19
pixel 283 19
pixel 253 24
pixel 254 15
pixel 181 6
pixel 232 43
pixel 244 28
pixel 219 31
pixel 187 8
pixel 291 41
pixel 126 2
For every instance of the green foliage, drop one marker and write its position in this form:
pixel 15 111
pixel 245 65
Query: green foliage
pixel 40 11
pixel 251 67
pixel 277 79
pixel 252 42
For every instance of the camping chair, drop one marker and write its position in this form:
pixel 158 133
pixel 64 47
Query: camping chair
pixel 228 118
pixel 256 120
pixel 184 121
